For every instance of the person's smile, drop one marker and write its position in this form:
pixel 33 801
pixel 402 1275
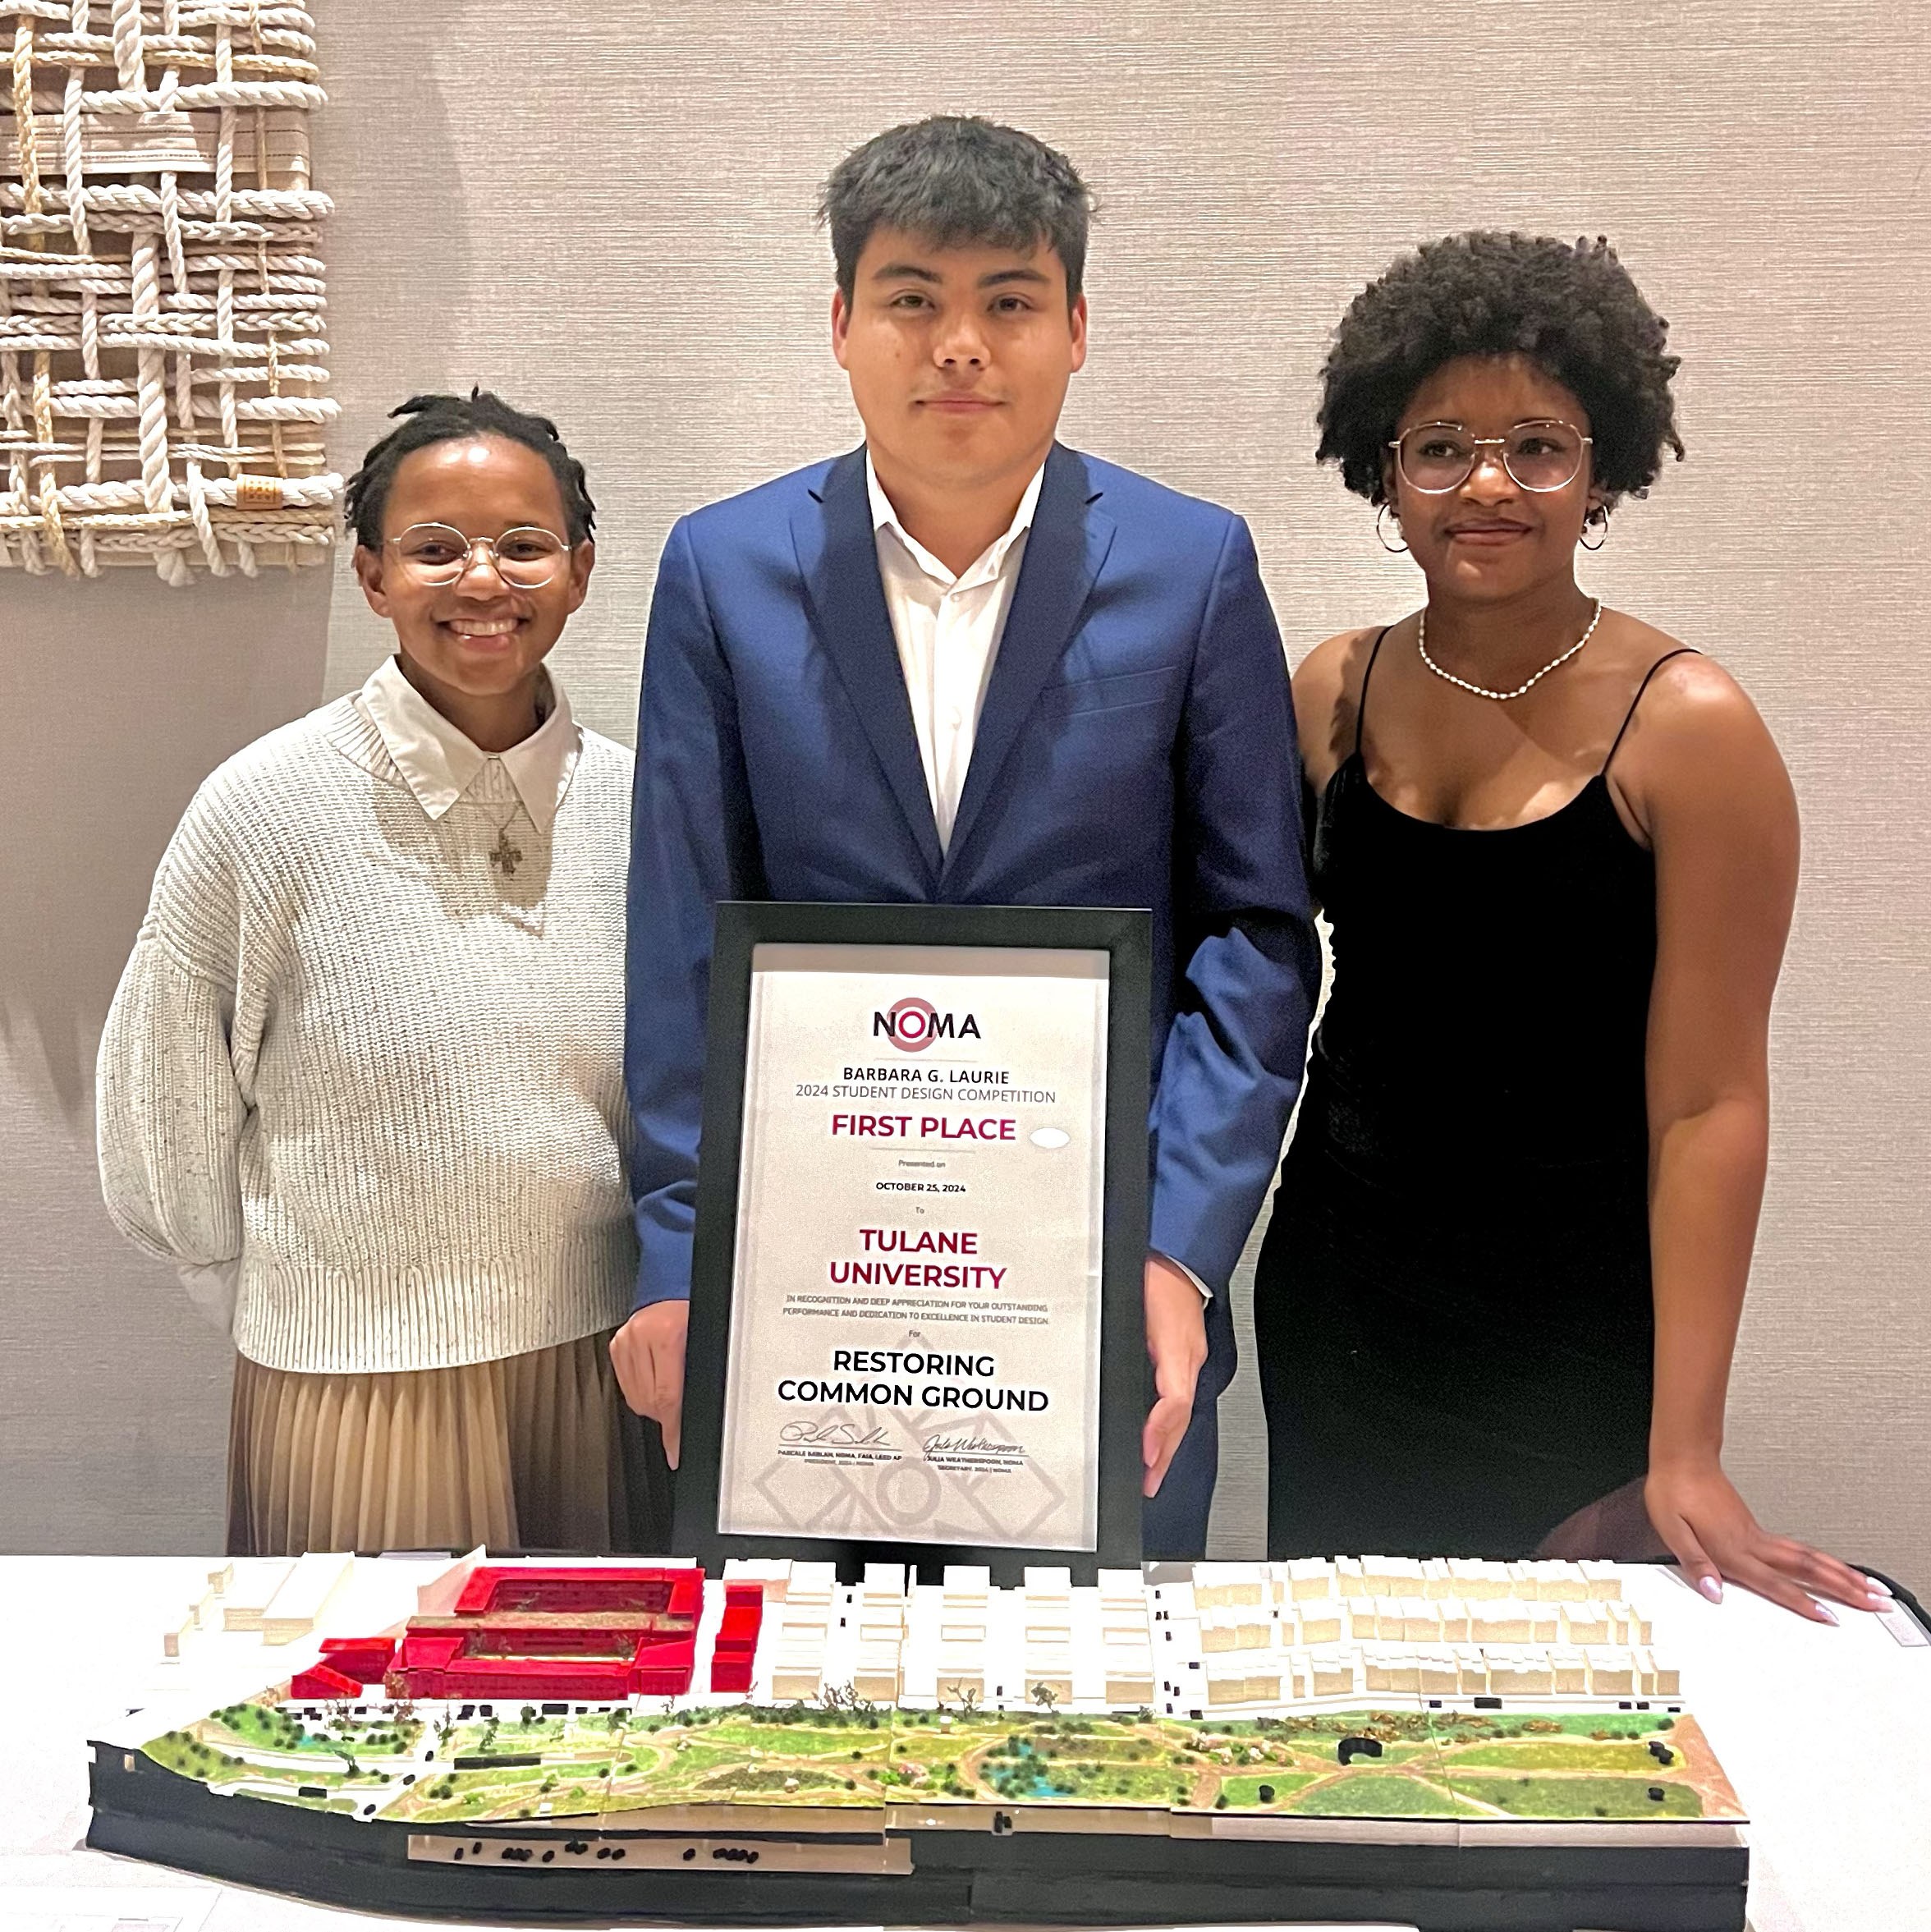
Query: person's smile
pixel 482 634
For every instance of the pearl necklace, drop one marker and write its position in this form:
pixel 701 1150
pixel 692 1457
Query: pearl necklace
pixel 1483 691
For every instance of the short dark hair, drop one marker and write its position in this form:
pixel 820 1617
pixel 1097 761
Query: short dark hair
pixel 955 179
pixel 1573 311
pixel 455 419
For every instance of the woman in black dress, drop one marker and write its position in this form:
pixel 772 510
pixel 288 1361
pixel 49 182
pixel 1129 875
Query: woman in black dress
pixel 1558 851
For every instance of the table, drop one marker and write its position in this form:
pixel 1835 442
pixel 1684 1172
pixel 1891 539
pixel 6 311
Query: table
pixel 1826 1734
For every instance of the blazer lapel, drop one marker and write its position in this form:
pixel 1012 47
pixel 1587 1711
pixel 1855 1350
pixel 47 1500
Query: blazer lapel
pixel 838 559
pixel 1064 552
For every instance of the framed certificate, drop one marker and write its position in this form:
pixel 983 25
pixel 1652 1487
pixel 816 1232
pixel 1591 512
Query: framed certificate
pixel 916 1328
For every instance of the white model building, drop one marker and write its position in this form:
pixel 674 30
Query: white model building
pixel 881 1608
pixel 964 1634
pixel 1047 1598
pixel 802 1637
pixel 301 1597
pixel 1236 1639
pixel 1304 1579
pixel 1125 1640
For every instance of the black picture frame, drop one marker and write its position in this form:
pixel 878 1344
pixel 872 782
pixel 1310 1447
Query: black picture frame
pixel 1125 935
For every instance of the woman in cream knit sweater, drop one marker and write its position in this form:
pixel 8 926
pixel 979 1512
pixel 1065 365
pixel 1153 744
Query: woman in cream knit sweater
pixel 363 1076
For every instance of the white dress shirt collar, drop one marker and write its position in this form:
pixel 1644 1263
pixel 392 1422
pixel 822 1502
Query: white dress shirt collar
pixel 439 763
pixel 987 567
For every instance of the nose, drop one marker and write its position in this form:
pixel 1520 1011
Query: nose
pixel 481 575
pixel 1490 479
pixel 481 578
pixel 960 344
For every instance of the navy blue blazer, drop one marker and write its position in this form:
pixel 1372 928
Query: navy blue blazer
pixel 1136 747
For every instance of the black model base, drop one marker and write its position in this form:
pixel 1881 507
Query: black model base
pixel 956 1878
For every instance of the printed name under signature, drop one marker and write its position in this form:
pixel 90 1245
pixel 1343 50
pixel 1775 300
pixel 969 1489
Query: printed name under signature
pixel 848 1433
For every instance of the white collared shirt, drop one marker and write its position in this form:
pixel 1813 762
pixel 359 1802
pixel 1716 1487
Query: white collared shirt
pixel 440 764
pixel 947 630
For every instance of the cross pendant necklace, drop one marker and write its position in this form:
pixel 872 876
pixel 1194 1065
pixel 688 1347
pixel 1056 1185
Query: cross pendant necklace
pixel 505 856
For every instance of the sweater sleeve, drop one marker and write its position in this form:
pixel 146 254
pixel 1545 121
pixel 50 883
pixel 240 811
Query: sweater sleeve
pixel 169 1108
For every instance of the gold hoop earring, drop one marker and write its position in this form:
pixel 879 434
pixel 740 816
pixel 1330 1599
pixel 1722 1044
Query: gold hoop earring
pixel 1381 530
pixel 1601 527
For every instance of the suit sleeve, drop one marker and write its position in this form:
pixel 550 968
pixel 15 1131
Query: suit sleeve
pixel 692 842
pixel 1243 929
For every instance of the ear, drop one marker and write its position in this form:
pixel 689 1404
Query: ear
pixel 369 574
pixel 841 326
pixel 1077 318
pixel 583 560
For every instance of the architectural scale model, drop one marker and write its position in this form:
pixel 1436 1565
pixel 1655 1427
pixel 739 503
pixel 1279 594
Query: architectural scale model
pixel 1179 1744
pixel 283 1598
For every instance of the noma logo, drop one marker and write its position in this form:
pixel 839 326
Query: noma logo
pixel 914 1025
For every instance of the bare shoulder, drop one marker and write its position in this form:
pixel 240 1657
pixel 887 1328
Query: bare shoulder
pixel 1694 737
pixel 1327 695
pixel 1690 700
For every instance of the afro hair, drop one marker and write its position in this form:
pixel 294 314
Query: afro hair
pixel 1573 311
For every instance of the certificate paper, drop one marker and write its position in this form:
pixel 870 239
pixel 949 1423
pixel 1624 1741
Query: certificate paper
pixel 915 1306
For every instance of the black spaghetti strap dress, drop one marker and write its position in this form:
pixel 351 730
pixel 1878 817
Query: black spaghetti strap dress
pixel 1452 1305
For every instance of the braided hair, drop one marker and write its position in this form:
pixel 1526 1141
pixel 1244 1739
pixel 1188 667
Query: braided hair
pixel 1574 311
pixel 455 419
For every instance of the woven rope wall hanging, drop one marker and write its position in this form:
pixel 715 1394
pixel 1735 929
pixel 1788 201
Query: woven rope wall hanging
pixel 163 357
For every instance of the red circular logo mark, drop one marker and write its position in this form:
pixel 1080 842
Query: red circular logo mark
pixel 912 1022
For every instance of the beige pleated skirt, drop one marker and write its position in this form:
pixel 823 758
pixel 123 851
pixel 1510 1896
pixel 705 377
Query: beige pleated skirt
pixel 518 1453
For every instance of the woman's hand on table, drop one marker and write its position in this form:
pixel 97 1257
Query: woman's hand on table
pixel 1709 1529
pixel 648 1354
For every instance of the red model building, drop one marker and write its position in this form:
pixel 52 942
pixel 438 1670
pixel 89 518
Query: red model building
pixel 592 1636
pixel 736 1648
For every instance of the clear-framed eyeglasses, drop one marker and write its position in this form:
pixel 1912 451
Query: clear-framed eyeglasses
pixel 1437 457
pixel 526 557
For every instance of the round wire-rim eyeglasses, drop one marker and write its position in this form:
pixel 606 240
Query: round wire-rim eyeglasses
pixel 526 557
pixel 1452 472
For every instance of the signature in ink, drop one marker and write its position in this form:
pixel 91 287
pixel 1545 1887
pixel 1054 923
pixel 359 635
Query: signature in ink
pixel 970 1445
pixel 848 1433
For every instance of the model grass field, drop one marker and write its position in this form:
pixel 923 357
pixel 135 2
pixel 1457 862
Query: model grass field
pixel 422 1768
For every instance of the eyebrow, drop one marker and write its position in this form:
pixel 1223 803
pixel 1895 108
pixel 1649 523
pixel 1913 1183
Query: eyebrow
pixel 912 272
pixel 1519 423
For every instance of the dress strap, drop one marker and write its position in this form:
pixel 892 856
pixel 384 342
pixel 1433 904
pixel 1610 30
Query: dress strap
pixel 1361 703
pixel 1682 650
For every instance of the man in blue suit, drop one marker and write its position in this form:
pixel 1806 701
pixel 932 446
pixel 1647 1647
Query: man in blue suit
pixel 965 665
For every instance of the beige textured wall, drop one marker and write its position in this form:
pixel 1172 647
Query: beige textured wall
pixel 607 215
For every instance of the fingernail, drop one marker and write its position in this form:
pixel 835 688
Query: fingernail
pixel 1878 1587
pixel 1711 1588
pixel 1826 1613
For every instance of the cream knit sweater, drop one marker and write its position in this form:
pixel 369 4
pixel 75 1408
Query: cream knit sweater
pixel 381 1073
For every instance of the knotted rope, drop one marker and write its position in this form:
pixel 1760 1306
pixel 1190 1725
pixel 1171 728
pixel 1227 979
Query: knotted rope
pixel 163 356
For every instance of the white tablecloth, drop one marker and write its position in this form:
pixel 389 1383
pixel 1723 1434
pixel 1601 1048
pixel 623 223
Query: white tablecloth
pixel 1826 1734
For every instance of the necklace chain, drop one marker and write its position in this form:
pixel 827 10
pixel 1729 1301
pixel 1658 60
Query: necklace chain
pixel 506 855
pixel 1482 690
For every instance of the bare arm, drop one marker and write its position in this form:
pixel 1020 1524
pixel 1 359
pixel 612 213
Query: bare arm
pixel 1703 776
